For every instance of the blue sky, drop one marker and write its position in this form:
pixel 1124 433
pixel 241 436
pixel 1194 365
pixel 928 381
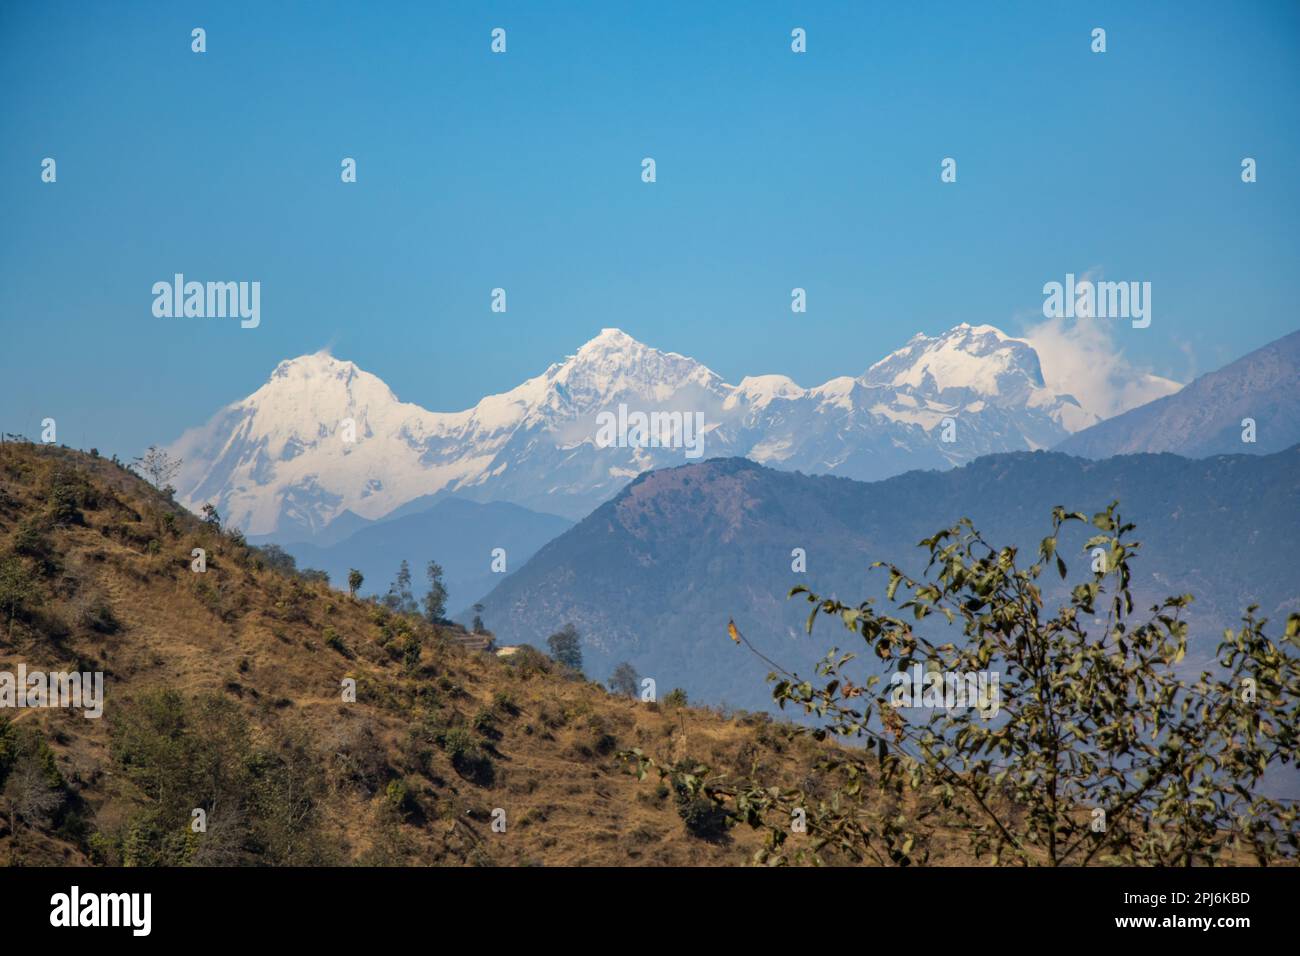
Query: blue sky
pixel 522 171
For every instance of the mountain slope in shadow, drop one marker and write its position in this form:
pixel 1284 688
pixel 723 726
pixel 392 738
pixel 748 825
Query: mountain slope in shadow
pixel 653 576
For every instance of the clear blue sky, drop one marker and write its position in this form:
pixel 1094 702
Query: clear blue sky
pixel 523 171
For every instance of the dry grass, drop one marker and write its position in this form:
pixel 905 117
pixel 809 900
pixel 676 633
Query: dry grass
pixel 116 594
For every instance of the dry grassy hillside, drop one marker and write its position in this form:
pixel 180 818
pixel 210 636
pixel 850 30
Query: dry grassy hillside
pixel 223 693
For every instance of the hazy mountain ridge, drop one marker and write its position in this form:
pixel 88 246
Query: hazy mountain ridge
pixel 1205 417
pixel 459 534
pixel 654 575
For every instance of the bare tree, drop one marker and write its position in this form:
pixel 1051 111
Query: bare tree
pixel 223 841
pixel 158 466
pixel 29 797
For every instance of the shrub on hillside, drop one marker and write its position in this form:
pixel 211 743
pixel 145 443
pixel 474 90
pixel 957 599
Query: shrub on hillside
pixel 625 681
pixel 186 753
pixel 19 595
pixel 66 492
pixel 333 641
pixel 93 612
pixel 466 756
pixel 32 791
pixel 528 660
pixel 702 816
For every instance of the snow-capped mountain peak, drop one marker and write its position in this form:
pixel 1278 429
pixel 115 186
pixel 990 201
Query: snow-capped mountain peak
pixel 980 358
pixel 610 339
pixel 323 436
pixel 758 391
pixel 316 365
pixel 614 364
pixel 321 384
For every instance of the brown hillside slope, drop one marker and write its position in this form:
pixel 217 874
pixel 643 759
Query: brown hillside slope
pixel 223 693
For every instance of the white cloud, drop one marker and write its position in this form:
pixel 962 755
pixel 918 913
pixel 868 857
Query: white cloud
pixel 1080 357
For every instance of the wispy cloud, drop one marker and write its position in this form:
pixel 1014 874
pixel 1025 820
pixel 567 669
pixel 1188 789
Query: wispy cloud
pixel 1082 358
